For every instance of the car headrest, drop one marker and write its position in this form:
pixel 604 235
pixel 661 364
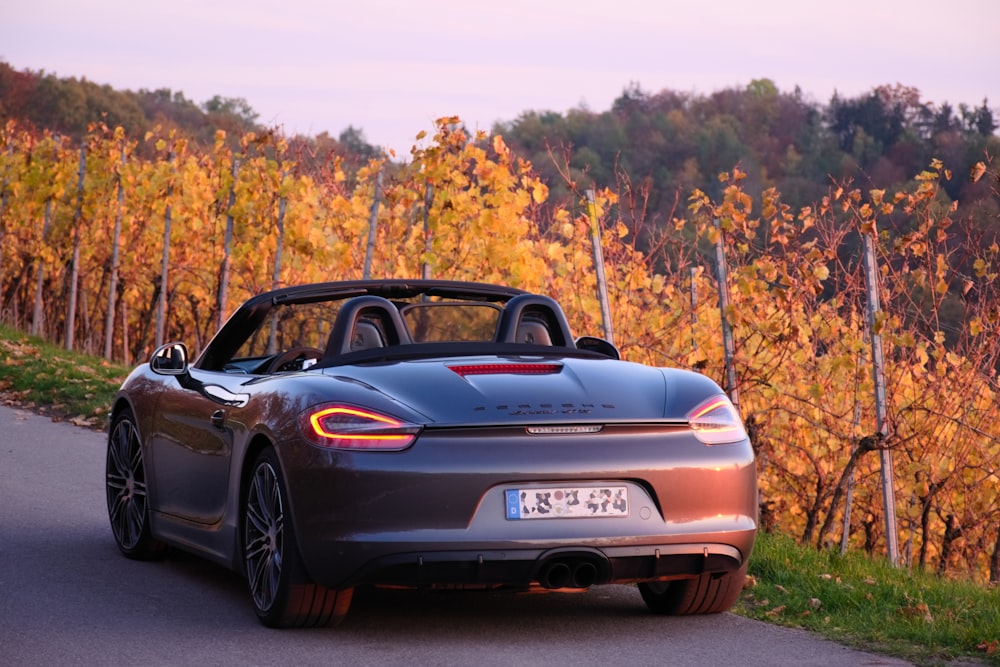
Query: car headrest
pixel 366 322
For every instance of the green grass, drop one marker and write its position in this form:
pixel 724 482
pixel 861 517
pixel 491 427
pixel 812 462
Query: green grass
pixel 866 603
pixel 854 599
pixel 47 379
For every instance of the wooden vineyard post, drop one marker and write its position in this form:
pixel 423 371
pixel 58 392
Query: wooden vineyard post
pixel 602 281
pixel 373 228
pixel 878 369
pixel 728 344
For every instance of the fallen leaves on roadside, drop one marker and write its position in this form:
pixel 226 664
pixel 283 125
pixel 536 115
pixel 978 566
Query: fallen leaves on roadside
pixel 17 351
pixel 989 647
pixel 777 611
pixel 918 611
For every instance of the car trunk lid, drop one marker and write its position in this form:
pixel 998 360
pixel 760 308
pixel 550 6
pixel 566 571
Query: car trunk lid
pixel 464 390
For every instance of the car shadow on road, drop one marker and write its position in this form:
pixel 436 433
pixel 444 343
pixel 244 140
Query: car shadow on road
pixel 381 610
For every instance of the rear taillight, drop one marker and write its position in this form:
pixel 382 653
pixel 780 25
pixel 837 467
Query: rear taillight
pixel 716 422
pixel 349 427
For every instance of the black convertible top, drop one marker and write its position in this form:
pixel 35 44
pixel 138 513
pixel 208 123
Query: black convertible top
pixel 389 289
pixel 253 311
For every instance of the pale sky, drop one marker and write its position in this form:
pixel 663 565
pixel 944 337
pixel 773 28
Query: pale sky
pixel 390 67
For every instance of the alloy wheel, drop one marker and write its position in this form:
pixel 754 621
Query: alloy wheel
pixel 126 486
pixel 264 536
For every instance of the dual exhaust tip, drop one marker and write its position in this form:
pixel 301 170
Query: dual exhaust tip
pixel 568 572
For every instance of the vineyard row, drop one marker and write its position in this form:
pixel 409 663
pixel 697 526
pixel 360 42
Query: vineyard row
pixel 112 253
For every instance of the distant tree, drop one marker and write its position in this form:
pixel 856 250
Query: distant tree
pixel 762 88
pixel 719 148
pixel 16 91
pixel 232 106
pixel 632 99
pixel 166 107
pixel 855 121
pixel 352 141
pixel 981 120
pixel 944 119
pixel 60 105
pixel 114 108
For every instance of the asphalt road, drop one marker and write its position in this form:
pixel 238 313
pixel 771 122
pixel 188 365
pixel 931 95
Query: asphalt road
pixel 68 597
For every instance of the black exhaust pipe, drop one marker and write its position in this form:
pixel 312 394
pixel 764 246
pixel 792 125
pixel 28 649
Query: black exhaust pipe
pixel 556 574
pixel 584 574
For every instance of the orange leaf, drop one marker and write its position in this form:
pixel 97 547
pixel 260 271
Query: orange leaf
pixel 977 172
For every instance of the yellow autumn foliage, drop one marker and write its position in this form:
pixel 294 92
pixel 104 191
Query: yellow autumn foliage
pixel 465 207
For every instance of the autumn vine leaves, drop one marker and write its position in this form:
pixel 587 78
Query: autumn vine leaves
pixel 247 218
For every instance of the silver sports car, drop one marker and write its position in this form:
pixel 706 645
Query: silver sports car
pixel 429 434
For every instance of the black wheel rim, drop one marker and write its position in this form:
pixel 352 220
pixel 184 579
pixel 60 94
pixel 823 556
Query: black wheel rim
pixel 126 485
pixel 263 536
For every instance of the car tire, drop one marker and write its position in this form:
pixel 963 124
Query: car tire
pixel 127 492
pixel 705 594
pixel 282 592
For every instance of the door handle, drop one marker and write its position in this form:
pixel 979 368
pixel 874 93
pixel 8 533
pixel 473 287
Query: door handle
pixel 219 419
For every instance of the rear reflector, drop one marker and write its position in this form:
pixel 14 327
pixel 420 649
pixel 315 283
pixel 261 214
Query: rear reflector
pixel 506 369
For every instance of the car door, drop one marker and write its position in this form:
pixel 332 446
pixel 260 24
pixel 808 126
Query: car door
pixel 192 444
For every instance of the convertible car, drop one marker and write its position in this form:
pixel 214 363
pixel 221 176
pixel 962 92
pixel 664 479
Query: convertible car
pixel 434 434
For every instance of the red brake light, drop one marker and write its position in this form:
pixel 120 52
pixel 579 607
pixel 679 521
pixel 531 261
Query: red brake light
pixel 716 422
pixel 345 427
pixel 510 369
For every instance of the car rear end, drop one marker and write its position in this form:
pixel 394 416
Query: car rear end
pixel 564 481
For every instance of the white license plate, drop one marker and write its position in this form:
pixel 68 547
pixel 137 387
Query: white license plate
pixel 567 502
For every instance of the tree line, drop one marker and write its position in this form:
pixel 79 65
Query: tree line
pixel 670 142
pixel 68 106
pixel 667 143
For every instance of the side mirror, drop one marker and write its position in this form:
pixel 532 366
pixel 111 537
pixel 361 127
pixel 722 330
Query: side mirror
pixel 598 345
pixel 170 359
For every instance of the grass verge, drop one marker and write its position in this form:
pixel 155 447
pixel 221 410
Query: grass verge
pixel 866 603
pixel 49 380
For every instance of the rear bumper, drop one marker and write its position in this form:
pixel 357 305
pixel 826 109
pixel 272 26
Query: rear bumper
pixel 438 514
